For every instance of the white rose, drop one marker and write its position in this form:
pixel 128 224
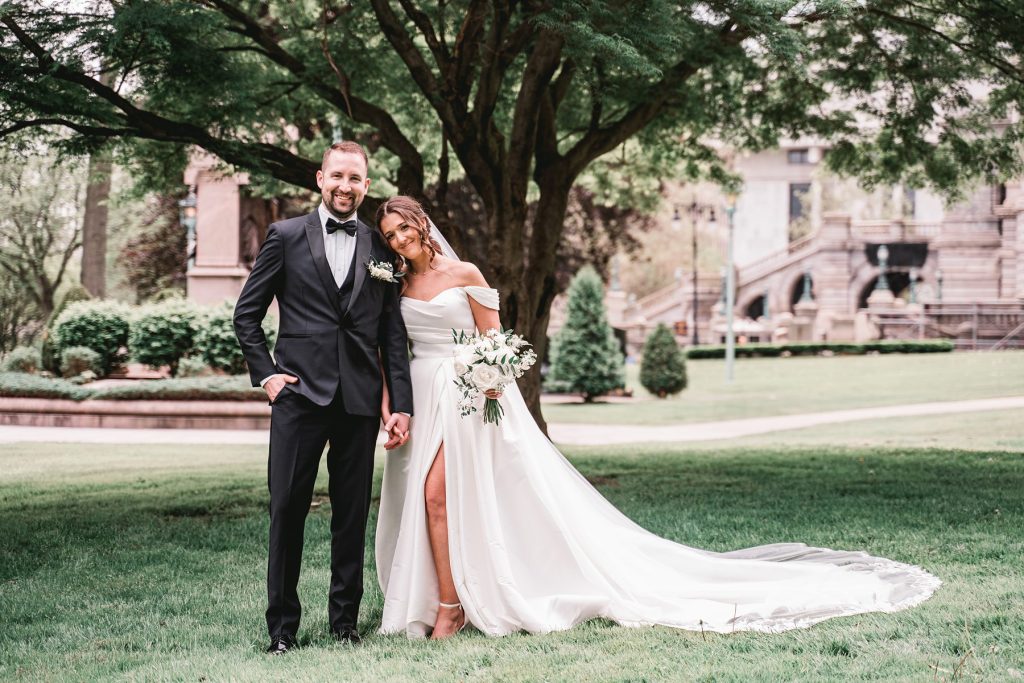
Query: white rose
pixel 487 377
pixel 464 358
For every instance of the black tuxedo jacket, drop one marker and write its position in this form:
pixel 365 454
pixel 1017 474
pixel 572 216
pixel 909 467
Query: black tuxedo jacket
pixel 329 336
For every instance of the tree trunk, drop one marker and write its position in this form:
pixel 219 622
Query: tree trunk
pixel 531 289
pixel 94 226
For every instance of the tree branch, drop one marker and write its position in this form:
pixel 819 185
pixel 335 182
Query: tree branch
pixel 411 174
pixel 596 142
pixel 1006 68
pixel 344 83
pixel 436 92
pixel 540 68
pixel 467 47
pixel 426 28
pixel 95 131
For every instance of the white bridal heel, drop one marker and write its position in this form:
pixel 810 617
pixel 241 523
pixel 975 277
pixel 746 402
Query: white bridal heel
pixel 454 605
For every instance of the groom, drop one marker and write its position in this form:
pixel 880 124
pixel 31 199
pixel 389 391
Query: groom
pixel 341 330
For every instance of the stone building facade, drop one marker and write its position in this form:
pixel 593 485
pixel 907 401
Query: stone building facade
pixel 807 268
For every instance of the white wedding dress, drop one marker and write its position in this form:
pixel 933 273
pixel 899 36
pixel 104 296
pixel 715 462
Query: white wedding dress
pixel 534 547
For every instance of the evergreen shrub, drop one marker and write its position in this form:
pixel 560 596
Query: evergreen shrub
pixel 663 369
pixel 585 357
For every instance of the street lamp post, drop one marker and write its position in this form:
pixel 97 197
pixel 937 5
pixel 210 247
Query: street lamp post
pixel 730 295
pixel 693 304
pixel 696 212
pixel 913 285
pixel 938 279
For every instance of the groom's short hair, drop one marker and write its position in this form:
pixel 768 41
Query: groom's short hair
pixel 345 146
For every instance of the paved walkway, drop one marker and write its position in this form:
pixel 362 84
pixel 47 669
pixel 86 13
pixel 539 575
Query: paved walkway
pixel 597 435
pixel 576 434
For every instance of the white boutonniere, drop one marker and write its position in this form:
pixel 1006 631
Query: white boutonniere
pixel 381 270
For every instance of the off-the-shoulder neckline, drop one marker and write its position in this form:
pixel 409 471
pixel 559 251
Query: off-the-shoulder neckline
pixel 427 301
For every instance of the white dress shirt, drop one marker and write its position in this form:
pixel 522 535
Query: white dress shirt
pixel 340 246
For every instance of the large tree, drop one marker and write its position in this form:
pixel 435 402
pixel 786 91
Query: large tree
pixel 523 99
pixel 40 225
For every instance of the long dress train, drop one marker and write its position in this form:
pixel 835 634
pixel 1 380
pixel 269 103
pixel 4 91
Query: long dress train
pixel 534 547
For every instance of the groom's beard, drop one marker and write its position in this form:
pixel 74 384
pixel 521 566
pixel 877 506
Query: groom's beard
pixel 337 213
pixel 340 216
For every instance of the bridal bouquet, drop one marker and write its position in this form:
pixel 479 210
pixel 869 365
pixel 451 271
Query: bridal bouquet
pixel 489 362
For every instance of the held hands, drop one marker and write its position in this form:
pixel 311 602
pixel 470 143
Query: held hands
pixel 397 427
pixel 274 385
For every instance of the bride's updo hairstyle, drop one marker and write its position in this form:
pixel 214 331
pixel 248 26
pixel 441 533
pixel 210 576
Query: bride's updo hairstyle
pixel 412 213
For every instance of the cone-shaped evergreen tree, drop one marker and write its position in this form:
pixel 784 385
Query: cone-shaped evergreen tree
pixel 663 369
pixel 585 355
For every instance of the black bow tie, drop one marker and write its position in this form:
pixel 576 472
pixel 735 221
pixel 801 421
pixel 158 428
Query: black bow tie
pixel 334 226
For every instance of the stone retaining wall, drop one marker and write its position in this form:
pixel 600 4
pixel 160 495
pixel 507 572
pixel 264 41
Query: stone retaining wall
pixel 48 412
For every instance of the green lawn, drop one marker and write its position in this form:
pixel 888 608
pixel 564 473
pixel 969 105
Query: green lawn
pixel 147 563
pixel 785 386
pixel 996 430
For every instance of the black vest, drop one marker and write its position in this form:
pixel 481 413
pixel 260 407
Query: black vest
pixel 345 291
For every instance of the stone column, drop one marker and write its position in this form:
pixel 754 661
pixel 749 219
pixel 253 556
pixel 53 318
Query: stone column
pixel 217 274
pixel 817 203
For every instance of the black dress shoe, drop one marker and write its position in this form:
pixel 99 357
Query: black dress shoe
pixel 347 634
pixel 282 645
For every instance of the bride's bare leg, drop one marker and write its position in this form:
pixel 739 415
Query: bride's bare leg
pixel 449 619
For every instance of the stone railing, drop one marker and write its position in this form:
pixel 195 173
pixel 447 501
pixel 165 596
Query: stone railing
pixel 881 231
pixel 795 251
pixel 982 325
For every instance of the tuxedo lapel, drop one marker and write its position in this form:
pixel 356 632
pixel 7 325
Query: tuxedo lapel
pixel 315 238
pixel 364 241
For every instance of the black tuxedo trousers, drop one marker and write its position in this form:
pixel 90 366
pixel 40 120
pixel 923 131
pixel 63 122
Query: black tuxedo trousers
pixel 299 430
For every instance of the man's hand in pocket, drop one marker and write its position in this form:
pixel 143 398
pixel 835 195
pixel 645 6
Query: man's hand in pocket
pixel 275 384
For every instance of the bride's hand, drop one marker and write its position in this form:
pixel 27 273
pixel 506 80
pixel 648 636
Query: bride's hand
pixel 493 394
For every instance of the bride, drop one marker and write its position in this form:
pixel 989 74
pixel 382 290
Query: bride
pixel 491 526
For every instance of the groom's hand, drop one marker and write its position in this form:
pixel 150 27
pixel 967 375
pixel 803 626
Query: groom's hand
pixel 397 427
pixel 275 383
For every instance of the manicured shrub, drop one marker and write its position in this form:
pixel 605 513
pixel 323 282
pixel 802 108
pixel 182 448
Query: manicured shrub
pixel 23 359
pixel 663 369
pixel 193 366
pixel 16 384
pixel 22 385
pixel 585 356
pixel 217 344
pixel 78 360
pixel 237 388
pixel 99 325
pixel 162 333
pixel 48 349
